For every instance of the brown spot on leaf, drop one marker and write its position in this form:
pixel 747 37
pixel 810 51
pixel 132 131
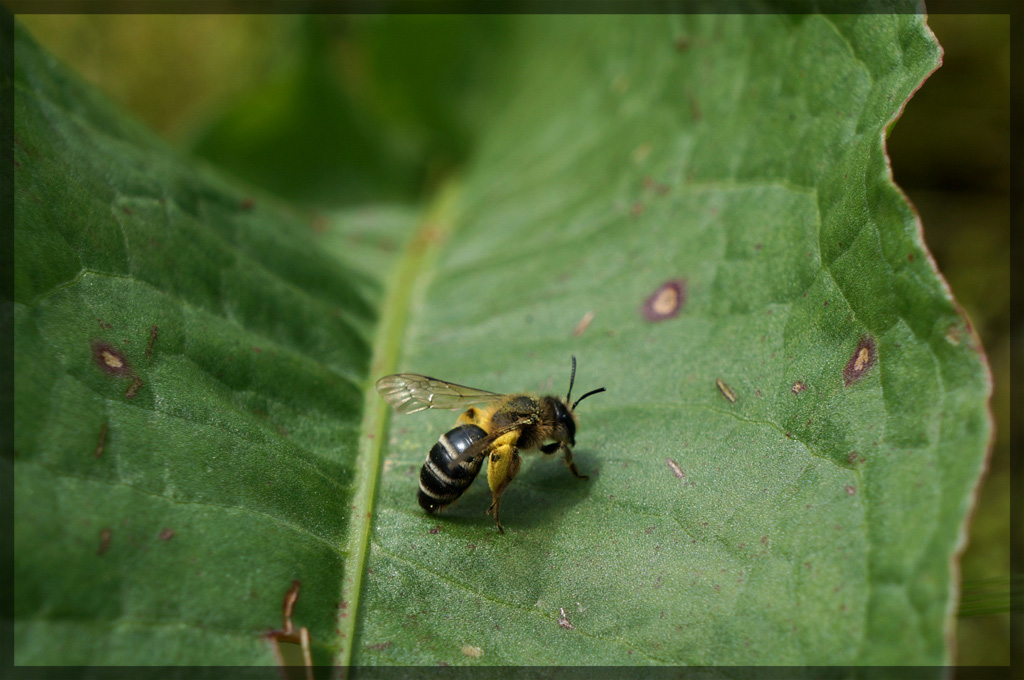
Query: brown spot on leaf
pixel 563 620
pixel 133 389
pixel 288 605
pixel 953 334
pixel 101 442
pixel 152 339
pixel 581 327
pixel 660 189
pixel 695 111
pixel 798 387
pixel 863 359
pixel 674 467
pixel 287 639
pixel 726 391
pixel 666 301
pixel 106 535
pixel 166 534
pixel 111 359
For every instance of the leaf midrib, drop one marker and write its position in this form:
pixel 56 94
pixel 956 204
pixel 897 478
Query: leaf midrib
pixel 408 278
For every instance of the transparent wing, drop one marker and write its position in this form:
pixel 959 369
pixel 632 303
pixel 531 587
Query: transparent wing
pixel 409 393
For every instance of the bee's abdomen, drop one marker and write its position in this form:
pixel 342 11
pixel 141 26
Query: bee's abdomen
pixel 442 480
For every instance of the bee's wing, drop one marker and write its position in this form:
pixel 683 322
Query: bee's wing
pixel 409 393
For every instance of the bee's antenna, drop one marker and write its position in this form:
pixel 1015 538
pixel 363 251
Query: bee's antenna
pixel 572 379
pixel 599 389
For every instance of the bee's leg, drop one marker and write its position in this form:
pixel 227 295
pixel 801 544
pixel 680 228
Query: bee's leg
pixel 572 466
pixel 502 468
pixel 550 448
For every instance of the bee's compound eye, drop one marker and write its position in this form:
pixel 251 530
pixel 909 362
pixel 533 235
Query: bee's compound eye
pixel 565 423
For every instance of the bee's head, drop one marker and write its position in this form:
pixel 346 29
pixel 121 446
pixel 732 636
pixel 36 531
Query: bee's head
pixel 565 422
pixel 565 419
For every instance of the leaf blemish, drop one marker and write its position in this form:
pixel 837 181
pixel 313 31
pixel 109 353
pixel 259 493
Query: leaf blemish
pixel 666 301
pixel 953 334
pixel 470 650
pixel 289 636
pixel 133 389
pixel 106 535
pixel 649 183
pixel 152 339
pixel 102 442
pixel 863 359
pixel 798 387
pixel 676 470
pixel 726 391
pixel 166 534
pixel 641 152
pixel 581 327
pixel 563 621
pixel 110 359
pixel 695 111
pixel 288 606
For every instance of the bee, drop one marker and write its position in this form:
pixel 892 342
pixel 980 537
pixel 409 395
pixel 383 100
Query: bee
pixel 498 429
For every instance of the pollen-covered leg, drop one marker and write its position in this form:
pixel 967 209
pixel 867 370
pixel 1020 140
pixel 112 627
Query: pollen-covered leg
pixel 502 468
pixel 572 466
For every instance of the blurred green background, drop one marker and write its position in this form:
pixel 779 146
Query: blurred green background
pixel 327 111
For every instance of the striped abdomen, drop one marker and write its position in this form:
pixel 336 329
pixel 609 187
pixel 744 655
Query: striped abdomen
pixel 442 480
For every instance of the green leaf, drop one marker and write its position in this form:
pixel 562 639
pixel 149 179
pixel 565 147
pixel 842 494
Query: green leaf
pixel 163 511
pixel 780 470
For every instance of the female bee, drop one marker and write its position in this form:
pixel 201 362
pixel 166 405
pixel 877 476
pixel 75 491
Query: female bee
pixel 498 430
